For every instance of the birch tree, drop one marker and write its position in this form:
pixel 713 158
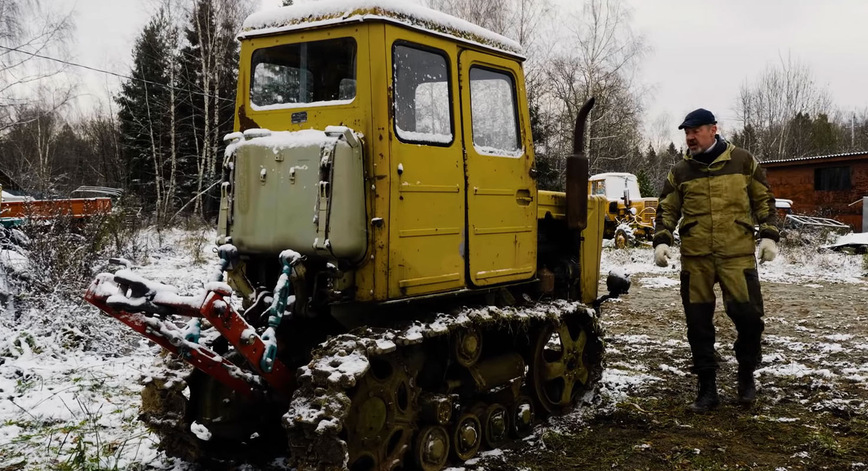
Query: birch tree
pixel 27 27
pixel 772 106
pixel 209 70
pixel 599 56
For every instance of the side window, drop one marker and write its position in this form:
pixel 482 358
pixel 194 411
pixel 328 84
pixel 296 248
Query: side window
pixel 832 179
pixel 421 95
pixel 494 113
pixel 598 188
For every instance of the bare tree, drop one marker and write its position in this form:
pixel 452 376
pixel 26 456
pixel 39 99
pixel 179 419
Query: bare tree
pixel 768 106
pixel 600 57
pixel 27 30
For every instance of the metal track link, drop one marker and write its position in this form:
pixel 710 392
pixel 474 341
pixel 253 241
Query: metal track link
pixel 321 405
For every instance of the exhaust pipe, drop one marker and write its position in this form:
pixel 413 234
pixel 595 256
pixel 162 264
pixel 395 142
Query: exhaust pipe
pixel 577 174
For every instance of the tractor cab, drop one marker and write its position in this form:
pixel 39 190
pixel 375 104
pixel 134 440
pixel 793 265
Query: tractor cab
pixel 389 145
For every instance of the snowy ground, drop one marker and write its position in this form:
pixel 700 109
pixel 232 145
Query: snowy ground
pixel 69 377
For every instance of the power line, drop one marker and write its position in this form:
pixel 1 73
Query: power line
pixel 102 71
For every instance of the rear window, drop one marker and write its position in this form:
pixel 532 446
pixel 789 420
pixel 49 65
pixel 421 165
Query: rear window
pixel 316 72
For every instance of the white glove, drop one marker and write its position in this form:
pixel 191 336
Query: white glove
pixel 767 250
pixel 662 254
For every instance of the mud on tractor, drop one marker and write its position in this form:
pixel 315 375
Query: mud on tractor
pixel 394 292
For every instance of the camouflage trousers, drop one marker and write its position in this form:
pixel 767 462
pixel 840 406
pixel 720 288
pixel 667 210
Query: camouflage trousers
pixel 742 300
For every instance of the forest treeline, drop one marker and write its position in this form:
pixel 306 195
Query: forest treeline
pixel 159 136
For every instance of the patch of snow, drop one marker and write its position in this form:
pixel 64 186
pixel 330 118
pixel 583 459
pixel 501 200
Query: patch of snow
pixel 79 375
pixel 201 431
pixel 14 262
pixel 282 140
pixel 839 337
pixel 659 282
pixel 830 347
pixel 425 136
pixel 672 369
pixel 793 265
pixel 487 150
pixel 796 370
pixel 311 104
pixel 619 383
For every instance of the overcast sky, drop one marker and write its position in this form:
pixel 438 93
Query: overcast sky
pixel 701 51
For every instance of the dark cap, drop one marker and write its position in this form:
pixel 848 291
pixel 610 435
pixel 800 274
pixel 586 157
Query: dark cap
pixel 697 118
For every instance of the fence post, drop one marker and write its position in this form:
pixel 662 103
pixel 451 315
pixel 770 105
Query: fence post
pixel 865 214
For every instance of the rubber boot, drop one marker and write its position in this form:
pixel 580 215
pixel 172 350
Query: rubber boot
pixel 746 386
pixel 707 399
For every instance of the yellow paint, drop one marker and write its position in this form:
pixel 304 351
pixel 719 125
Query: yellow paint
pixel 448 217
pixel 426 236
pixel 501 213
pixel 592 247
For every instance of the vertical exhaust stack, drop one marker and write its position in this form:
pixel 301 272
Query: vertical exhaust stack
pixel 577 177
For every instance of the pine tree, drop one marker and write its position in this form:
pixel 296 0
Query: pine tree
pixel 144 102
pixel 646 188
pixel 548 171
pixel 824 137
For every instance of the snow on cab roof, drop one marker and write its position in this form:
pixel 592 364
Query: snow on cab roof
pixel 328 12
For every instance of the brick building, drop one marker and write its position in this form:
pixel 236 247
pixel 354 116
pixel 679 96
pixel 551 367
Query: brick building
pixel 827 185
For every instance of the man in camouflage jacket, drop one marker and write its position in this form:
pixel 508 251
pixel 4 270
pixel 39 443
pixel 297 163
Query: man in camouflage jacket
pixel 716 195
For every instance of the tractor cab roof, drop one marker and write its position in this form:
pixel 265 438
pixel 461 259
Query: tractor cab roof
pixel 333 12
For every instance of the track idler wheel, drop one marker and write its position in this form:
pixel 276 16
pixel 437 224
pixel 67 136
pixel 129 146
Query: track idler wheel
pixel 382 417
pixel 432 448
pixel 466 436
pixel 495 424
pixel 468 347
pixel 560 365
pixel 521 417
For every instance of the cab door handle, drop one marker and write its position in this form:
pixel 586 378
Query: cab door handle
pixel 523 197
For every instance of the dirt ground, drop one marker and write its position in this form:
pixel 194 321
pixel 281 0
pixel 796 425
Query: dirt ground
pixel 813 390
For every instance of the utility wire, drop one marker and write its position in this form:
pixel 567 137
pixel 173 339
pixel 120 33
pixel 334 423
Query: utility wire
pixel 102 71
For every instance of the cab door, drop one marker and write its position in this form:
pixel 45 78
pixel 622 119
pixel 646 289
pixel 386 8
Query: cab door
pixel 501 195
pixel 426 235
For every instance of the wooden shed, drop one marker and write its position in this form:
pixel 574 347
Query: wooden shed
pixel 826 185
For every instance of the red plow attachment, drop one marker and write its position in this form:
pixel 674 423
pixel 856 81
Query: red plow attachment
pixel 155 310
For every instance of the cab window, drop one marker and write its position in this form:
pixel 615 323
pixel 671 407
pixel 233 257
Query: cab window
pixel 315 72
pixel 494 113
pixel 421 95
pixel 598 188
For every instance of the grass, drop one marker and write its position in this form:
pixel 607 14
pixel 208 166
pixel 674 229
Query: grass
pixel 81 442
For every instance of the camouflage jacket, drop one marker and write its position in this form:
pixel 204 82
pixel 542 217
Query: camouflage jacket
pixel 718 205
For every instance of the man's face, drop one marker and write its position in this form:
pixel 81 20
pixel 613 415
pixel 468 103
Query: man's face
pixel 700 138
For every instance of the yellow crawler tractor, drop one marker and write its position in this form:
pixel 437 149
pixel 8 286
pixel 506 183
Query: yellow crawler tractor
pixel 629 215
pixel 394 292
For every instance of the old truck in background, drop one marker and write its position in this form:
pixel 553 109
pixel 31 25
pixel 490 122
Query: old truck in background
pixel 629 215
pixel 17 209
